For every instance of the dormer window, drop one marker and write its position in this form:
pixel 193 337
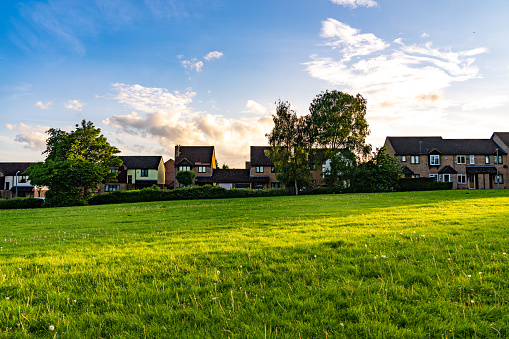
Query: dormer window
pixel 434 160
pixel 259 169
pixel 202 169
pixel 184 168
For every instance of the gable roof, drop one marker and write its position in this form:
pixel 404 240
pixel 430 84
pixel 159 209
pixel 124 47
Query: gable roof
pixel 258 157
pixel 426 145
pixel 194 154
pixel 504 136
pixel 10 168
pixel 141 161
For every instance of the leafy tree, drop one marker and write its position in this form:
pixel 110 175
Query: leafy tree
pixel 340 168
pixel 380 174
pixel 225 166
pixel 185 178
pixel 76 163
pixel 290 147
pixel 337 122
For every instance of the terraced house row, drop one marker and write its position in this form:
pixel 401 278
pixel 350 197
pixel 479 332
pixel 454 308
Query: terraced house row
pixel 467 163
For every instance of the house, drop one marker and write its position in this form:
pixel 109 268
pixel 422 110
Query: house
pixel 263 172
pixel 169 174
pixel 137 172
pixel 229 178
pixel 467 163
pixel 200 159
pixel 14 183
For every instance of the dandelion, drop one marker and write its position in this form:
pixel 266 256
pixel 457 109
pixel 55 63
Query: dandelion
pixel 51 327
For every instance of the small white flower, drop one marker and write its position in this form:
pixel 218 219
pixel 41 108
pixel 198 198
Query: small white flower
pixel 342 324
pixel 504 253
pixel 469 276
pixel 51 327
pixel 218 272
pixel 7 298
pixel 472 301
pixel 365 245
pixel 315 255
pixel 480 272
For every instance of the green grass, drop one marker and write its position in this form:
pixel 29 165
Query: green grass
pixel 397 265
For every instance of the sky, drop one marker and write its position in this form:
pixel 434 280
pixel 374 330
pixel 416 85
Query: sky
pixel 156 73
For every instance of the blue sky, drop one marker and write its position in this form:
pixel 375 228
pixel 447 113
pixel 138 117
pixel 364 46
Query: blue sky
pixel 156 73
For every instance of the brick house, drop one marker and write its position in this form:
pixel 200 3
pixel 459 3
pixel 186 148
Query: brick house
pixel 13 181
pixel 200 159
pixel 467 163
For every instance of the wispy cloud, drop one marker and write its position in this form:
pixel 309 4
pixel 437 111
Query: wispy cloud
pixel 169 119
pixel 42 105
pixel 197 65
pixel 254 107
pixel 486 103
pixel 356 3
pixel 75 105
pixel 213 55
pixel 32 137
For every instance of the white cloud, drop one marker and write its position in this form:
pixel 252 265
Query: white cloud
pixel 213 55
pixel 254 107
pixel 169 120
pixel 42 105
pixel 74 105
pixel 424 35
pixel 193 64
pixel 356 3
pixel 486 103
pixel 31 137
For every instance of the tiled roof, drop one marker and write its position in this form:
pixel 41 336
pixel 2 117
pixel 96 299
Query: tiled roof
pixel 228 175
pixel 258 157
pixel 10 168
pixel 424 145
pixel 141 161
pixel 194 154
pixel 504 136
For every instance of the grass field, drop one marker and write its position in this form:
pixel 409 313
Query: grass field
pixel 396 265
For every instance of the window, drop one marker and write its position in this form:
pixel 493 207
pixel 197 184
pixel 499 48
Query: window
pixel 472 160
pixel 144 172
pixel 111 188
pixel 6 186
pixel 273 169
pixel 276 185
pixel 312 167
pixel 403 158
pixel 434 176
pixel 498 160
pixel 184 168
pixel 461 159
pixel 259 169
pixel 487 159
pixel 499 179
pixel 202 169
pixel 417 175
pixel 22 179
pixel 434 160
pixel 462 178
pixel 414 159
pixel 447 178
pixel 114 170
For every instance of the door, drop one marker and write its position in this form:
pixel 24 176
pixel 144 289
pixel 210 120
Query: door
pixel 472 181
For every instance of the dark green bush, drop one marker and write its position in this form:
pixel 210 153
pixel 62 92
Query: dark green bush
pixel 20 203
pixel 185 193
pixel 422 184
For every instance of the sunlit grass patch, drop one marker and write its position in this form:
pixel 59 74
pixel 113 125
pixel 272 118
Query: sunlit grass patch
pixel 367 265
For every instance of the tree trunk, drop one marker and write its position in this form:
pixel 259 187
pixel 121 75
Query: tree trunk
pixel 296 190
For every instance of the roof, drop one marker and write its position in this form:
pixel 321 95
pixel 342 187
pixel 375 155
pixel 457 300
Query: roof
pixel 481 170
pixel 194 154
pixel 10 168
pixel 425 145
pixel 504 136
pixel 141 161
pixel 447 170
pixel 258 157
pixel 228 175
pixel 407 170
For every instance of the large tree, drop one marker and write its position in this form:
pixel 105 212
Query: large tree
pixel 290 147
pixel 337 121
pixel 77 162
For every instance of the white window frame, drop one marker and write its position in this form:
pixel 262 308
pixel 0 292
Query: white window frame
pixel 403 158
pixel 111 188
pixel 487 159
pixel 184 168
pixel 434 160
pixel 414 159
pixel 499 160
pixel 259 169
pixel 446 177
pixel 202 169
pixel 461 159
pixel 436 176
pixel 472 159
pixel 462 178
pixel 499 179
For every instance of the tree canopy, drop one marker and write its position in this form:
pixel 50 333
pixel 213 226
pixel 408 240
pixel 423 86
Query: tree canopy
pixel 290 147
pixel 77 162
pixel 185 178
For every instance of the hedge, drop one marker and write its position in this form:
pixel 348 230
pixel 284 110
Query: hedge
pixel 186 193
pixel 422 184
pixel 20 203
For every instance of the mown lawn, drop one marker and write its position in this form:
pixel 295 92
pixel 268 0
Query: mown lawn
pixel 397 265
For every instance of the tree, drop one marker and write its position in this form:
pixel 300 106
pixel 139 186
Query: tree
pixel 185 178
pixel 337 122
pixel 76 163
pixel 380 174
pixel 290 147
